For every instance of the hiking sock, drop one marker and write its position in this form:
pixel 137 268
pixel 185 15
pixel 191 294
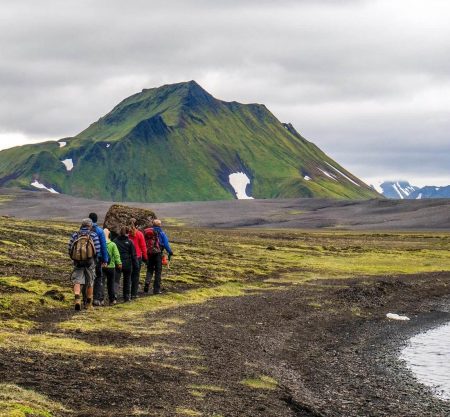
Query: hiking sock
pixel 77 302
pixel 89 294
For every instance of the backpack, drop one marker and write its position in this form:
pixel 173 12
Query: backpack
pixel 152 241
pixel 83 248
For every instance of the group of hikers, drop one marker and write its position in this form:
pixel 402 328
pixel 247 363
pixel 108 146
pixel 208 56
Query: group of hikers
pixel 97 258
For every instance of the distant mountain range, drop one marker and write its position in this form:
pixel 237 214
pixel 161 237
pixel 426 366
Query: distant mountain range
pixel 179 143
pixel 404 190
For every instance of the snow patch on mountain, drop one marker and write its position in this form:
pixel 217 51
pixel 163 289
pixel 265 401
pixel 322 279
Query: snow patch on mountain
pixel 239 182
pixel 62 144
pixel 307 178
pixel 397 188
pixel 37 184
pixel 339 172
pixel 68 163
pixel 328 174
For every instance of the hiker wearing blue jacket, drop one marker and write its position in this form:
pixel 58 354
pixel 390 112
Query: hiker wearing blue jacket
pixel 155 254
pixel 101 261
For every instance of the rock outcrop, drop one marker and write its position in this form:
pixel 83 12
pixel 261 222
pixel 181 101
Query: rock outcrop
pixel 119 215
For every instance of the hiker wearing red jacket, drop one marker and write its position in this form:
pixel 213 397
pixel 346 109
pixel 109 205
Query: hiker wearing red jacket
pixel 137 237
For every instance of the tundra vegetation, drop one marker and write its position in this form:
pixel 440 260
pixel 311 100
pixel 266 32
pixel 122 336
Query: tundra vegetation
pixel 36 302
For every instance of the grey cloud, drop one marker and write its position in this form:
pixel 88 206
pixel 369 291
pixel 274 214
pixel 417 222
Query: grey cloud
pixel 330 67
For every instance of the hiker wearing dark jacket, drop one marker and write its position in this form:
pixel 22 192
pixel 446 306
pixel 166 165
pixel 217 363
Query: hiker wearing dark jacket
pixel 129 261
pixel 83 273
pixel 110 270
pixel 154 263
pixel 101 261
pixel 138 240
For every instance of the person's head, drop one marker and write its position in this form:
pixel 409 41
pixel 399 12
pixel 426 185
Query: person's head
pixel 107 233
pixel 157 222
pixel 93 217
pixel 124 231
pixel 132 227
pixel 86 223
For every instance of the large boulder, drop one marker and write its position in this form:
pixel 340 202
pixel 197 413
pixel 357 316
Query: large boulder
pixel 119 215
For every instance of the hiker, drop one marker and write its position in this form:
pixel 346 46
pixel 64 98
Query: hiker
pixel 101 261
pixel 129 261
pixel 157 242
pixel 138 240
pixel 84 246
pixel 110 270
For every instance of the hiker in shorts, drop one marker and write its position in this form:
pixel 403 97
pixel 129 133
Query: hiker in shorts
pixel 138 240
pixel 83 248
pixel 129 261
pixel 100 262
pixel 157 242
pixel 110 270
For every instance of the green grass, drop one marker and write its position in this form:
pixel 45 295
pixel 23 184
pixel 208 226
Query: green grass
pixel 19 402
pixel 262 382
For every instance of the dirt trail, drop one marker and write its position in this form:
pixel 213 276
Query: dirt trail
pixel 333 355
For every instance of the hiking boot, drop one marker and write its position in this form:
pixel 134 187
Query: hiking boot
pixel 146 288
pixel 96 303
pixel 156 292
pixel 113 303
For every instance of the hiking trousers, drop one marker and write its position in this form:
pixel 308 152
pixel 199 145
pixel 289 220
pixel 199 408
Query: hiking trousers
pixel 110 274
pixel 99 293
pixel 135 276
pixel 126 273
pixel 154 266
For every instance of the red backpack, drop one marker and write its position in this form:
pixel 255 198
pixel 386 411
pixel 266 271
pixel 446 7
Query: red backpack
pixel 152 241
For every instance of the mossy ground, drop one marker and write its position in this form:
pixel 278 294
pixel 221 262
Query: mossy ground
pixel 36 300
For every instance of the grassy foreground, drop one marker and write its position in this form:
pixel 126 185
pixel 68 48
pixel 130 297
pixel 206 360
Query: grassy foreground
pixel 36 301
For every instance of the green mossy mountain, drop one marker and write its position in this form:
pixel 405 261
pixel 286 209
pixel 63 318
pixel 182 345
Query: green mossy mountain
pixel 179 143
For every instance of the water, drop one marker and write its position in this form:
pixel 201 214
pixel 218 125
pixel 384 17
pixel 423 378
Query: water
pixel 428 356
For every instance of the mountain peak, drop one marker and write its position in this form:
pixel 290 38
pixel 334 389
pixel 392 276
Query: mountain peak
pixel 196 95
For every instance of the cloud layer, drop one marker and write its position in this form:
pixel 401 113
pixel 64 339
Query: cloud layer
pixel 367 81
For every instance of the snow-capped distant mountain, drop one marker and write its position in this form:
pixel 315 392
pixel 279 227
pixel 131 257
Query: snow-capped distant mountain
pixel 397 189
pixel 431 192
pixel 404 190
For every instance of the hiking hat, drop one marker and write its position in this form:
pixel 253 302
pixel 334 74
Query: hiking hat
pixel 86 222
pixel 156 222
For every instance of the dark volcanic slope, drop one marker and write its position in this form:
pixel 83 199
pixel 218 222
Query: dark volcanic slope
pixel 280 213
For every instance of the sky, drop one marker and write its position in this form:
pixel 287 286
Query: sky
pixel 368 81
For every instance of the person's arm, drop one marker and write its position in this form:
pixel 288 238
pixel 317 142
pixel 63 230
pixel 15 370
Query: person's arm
pixel 143 246
pixel 104 250
pixel 116 256
pixel 72 239
pixel 166 244
pixel 96 243
pixel 134 260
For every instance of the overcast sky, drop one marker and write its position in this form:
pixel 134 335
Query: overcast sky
pixel 367 81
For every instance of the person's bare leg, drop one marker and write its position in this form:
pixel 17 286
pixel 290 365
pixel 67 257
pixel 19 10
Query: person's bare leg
pixel 77 291
pixel 89 295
